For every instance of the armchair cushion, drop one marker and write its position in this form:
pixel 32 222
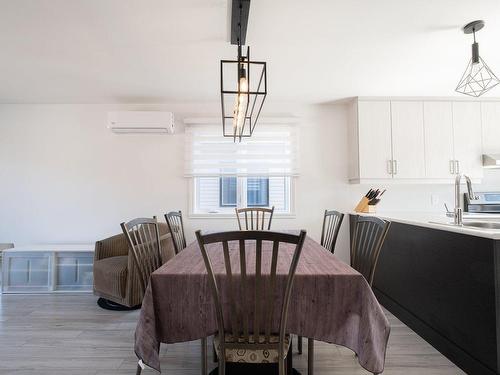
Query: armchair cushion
pixel 110 275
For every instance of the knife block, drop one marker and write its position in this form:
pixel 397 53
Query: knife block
pixel 371 209
pixel 365 207
pixel 362 205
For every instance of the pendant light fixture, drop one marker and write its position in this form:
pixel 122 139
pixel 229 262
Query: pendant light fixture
pixel 242 93
pixel 478 77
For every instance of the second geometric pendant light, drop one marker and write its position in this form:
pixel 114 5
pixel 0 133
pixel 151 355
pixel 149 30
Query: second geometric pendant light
pixel 478 77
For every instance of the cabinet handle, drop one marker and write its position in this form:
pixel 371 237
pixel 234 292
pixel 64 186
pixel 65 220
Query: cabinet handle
pixel 395 166
pixel 452 166
pixel 389 167
pixel 457 170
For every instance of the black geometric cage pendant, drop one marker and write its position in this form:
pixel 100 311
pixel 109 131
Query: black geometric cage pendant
pixel 478 78
pixel 243 91
pixel 243 83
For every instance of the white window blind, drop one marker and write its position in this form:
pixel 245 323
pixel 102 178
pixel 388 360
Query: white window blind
pixel 271 151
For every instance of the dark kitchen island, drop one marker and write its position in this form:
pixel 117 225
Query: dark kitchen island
pixel 444 283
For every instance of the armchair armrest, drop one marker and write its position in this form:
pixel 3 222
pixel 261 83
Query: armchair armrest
pixel 110 247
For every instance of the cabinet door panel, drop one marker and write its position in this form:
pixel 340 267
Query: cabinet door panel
pixel 467 137
pixel 490 112
pixel 438 125
pixel 26 272
pixel 74 271
pixel 375 153
pixel 408 139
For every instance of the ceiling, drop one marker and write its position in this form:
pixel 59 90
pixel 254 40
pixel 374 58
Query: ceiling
pixel 135 51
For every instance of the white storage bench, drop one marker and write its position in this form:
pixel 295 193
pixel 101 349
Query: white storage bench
pixel 48 268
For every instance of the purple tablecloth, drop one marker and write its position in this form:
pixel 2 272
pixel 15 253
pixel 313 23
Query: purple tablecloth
pixel 330 302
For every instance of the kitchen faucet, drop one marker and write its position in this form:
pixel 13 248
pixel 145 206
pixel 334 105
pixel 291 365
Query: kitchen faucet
pixel 458 212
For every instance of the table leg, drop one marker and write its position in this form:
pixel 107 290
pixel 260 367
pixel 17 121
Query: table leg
pixel 310 356
pixel 204 363
pixel 299 344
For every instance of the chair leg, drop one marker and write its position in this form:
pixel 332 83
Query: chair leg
pixel 281 367
pixel 222 366
pixel 310 356
pixel 139 370
pixel 299 344
pixel 214 354
pixel 204 363
pixel 289 359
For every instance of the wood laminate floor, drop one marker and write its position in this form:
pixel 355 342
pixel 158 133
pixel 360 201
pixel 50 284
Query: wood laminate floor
pixel 71 335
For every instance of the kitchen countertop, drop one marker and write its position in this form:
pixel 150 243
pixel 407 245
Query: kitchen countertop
pixel 440 221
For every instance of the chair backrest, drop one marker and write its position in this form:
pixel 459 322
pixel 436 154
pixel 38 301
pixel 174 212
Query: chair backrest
pixel 255 218
pixel 239 287
pixel 331 225
pixel 144 241
pixel 367 241
pixel 176 227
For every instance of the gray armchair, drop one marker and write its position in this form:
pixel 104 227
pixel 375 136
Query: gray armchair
pixel 116 278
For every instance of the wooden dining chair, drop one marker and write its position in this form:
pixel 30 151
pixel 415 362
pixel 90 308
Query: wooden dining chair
pixel 235 341
pixel 176 227
pixel 144 241
pixel 367 241
pixel 255 218
pixel 330 231
pixel 332 220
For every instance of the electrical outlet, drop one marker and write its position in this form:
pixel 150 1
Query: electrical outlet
pixel 434 199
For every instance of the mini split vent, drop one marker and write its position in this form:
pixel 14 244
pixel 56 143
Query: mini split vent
pixel 141 122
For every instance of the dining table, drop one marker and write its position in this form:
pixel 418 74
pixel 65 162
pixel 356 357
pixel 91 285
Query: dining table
pixel 330 302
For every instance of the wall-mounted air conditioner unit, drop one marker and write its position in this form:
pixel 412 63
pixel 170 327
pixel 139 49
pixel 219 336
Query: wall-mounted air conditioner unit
pixel 141 122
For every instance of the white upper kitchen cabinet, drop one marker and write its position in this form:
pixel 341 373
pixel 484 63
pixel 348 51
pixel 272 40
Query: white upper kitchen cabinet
pixel 408 149
pixel 374 146
pixel 420 140
pixel 438 126
pixel 490 112
pixel 467 137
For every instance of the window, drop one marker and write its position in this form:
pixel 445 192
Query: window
pixel 227 191
pixel 222 194
pixel 256 172
pixel 257 191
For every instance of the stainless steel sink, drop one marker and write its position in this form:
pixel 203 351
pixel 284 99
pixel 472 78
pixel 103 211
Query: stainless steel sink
pixel 489 225
pixel 482 224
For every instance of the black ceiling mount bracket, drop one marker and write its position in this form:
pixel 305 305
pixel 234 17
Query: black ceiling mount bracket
pixel 473 27
pixel 239 15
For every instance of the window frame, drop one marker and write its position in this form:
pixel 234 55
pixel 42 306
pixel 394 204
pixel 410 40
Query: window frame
pixel 229 213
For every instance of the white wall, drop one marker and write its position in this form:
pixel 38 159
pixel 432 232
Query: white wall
pixel 64 177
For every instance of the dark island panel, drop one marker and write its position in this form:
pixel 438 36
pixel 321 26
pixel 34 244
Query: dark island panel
pixel 443 285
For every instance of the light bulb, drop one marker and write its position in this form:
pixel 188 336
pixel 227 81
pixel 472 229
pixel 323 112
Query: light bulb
pixel 243 84
pixel 240 104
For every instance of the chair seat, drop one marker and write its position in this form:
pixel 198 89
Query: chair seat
pixel 110 275
pixel 250 355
